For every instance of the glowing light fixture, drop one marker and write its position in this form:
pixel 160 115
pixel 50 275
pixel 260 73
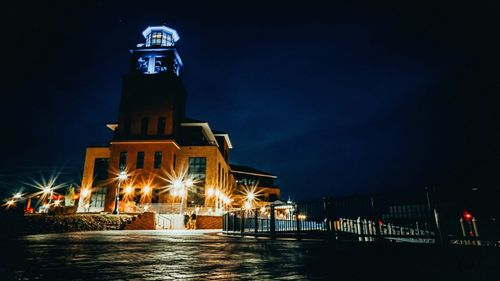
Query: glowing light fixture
pixel 128 189
pixel 146 189
pixel 17 195
pixel 46 190
pixel 122 175
pixel 177 184
pixel 247 205
pixel 250 196
pixel 85 192
pixel 210 192
pixel 189 183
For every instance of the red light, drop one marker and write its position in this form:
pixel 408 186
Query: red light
pixel 467 216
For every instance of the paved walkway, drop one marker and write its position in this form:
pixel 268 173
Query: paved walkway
pixel 206 255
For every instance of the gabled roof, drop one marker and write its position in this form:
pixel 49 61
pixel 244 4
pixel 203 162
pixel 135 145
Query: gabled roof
pixel 239 169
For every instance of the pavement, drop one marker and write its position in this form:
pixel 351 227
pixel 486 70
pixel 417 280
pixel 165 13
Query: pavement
pixel 208 255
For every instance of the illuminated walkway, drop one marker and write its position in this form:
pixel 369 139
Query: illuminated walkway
pixel 201 255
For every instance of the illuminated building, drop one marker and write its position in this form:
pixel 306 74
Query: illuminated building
pixel 157 146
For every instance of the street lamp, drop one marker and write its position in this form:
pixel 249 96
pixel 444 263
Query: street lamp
pixel 250 196
pixel 121 177
pixel 180 189
pixel 48 190
pixel 128 190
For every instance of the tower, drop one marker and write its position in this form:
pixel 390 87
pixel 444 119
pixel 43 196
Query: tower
pixel 153 96
pixel 152 108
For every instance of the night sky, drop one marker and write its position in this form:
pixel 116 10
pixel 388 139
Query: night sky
pixel 334 99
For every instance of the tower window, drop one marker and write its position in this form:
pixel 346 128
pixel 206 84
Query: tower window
pixel 140 160
pixel 123 161
pixel 159 38
pixel 144 126
pixel 160 64
pixel 161 125
pixel 157 163
pixel 143 64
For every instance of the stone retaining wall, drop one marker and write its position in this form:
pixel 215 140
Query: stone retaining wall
pixel 42 223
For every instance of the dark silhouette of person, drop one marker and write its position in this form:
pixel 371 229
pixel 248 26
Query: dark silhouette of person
pixel 186 220
pixel 193 220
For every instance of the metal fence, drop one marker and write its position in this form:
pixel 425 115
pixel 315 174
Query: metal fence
pixel 409 217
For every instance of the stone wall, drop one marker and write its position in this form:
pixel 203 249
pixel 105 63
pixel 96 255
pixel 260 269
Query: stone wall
pixel 42 223
pixel 209 222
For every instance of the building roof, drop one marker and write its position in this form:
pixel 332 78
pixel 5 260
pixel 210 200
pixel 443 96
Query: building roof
pixel 250 171
pixel 226 137
pixel 210 134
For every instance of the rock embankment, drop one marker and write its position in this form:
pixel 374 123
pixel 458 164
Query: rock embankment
pixel 42 223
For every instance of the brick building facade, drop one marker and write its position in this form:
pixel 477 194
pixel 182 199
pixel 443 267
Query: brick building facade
pixel 159 156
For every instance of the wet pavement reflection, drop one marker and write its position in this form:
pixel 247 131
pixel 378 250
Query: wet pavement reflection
pixel 200 255
pixel 153 255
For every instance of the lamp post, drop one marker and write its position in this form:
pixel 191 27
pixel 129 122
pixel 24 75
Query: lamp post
pixel 121 177
pixel 48 190
pixel 180 186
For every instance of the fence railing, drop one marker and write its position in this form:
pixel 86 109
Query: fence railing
pixel 391 218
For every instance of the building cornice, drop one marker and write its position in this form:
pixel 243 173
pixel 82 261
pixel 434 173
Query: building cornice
pixel 147 141
pixel 253 174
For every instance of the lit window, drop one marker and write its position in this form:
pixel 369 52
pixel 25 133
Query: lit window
pixel 160 64
pixel 98 197
pixel 142 64
pixel 197 171
pixel 159 38
pixel 197 167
